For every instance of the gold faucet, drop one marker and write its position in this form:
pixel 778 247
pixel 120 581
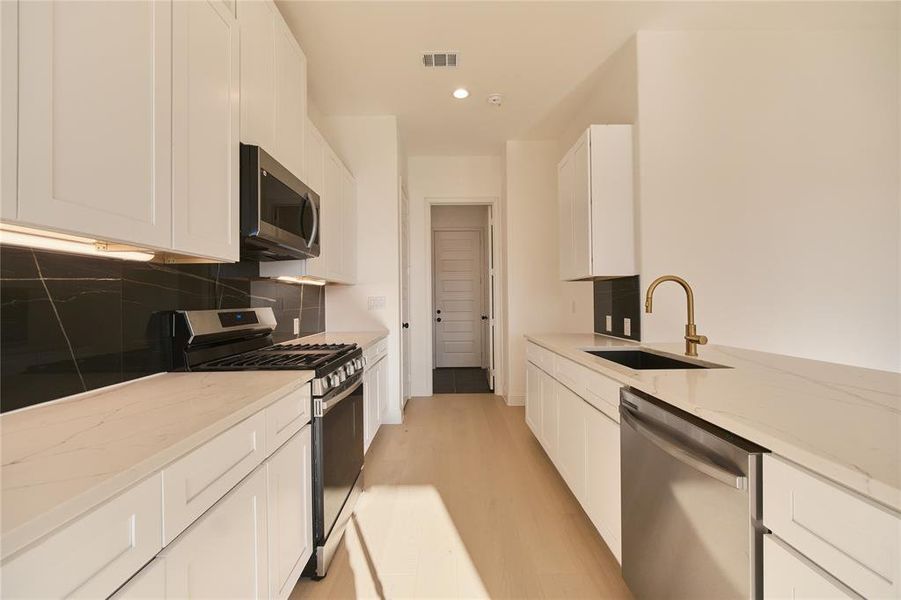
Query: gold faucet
pixel 692 339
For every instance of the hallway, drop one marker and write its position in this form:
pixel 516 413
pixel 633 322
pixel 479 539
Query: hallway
pixel 462 502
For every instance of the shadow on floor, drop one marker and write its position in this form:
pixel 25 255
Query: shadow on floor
pixel 460 380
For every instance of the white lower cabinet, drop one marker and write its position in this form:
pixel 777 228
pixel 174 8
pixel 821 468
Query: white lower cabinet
pixel 290 513
pixel 375 399
pixel 549 415
pixel 533 398
pixel 602 477
pixel 93 555
pixel 148 584
pixel 581 440
pixel 224 553
pixel 571 412
pixel 788 574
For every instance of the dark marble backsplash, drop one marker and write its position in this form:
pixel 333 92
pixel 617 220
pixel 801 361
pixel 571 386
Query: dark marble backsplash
pixel 621 298
pixel 69 323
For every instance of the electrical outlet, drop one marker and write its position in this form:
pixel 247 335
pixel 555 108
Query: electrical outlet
pixel 376 302
pixel 609 322
pixel 627 326
pixel 296 326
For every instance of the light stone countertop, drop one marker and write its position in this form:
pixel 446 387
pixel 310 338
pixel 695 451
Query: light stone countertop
pixel 840 421
pixel 364 339
pixel 63 458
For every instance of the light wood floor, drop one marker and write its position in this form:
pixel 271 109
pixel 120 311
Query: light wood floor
pixel 461 502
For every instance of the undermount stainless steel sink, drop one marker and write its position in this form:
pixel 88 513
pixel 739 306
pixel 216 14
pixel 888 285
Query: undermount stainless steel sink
pixel 644 361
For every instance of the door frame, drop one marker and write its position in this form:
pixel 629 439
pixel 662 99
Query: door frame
pixel 483 276
pixel 497 290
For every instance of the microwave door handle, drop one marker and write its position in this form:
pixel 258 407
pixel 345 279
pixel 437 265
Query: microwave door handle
pixel 682 454
pixel 315 232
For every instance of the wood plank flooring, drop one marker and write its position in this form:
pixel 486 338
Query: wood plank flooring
pixel 461 502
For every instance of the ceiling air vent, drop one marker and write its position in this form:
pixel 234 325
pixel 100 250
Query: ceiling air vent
pixel 439 59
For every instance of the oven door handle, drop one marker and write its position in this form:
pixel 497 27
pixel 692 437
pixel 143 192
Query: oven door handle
pixel 321 407
pixel 682 453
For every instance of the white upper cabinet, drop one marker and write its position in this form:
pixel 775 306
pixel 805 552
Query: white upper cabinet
pixel 95 123
pixel 349 226
pixel 273 84
pixel 258 29
pixel 290 99
pixel 596 221
pixel 205 122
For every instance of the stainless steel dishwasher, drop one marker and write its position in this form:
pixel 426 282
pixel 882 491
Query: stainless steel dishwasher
pixel 690 505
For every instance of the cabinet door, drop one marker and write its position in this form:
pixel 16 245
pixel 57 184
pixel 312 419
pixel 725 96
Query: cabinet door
pixel 571 443
pixel 331 203
pixel 602 483
pixel 206 114
pixel 533 399
pixel 565 176
pixel 290 99
pixel 148 584
pixel 223 554
pixel 257 19
pixel 349 226
pixel 95 129
pixel 314 173
pixel 549 415
pixel 788 574
pixel 290 513
pixel 580 265
pixel 383 394
pixel 370 401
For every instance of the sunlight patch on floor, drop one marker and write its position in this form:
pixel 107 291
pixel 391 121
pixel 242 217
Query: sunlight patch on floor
pixel 403 544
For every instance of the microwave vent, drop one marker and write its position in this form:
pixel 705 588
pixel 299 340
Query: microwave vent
pixel 439 59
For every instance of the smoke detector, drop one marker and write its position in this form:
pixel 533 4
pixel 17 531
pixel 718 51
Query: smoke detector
pixel 439 59
pixel 496 99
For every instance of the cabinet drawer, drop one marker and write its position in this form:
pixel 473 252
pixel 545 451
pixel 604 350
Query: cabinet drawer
pixel 847 535
pixel 540 357
pixel 195 482
pixel 286 417
pixel 95 554
pixel 376 351
pixel 788 574
pixel 599 391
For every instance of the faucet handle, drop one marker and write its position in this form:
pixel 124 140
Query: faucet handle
pixel 698 339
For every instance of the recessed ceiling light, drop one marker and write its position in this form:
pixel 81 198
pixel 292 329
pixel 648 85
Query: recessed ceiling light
pixel 461 93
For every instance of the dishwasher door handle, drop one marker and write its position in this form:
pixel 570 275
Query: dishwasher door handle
pixel 683 454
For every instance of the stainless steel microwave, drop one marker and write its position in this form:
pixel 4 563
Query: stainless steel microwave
pixel 279 213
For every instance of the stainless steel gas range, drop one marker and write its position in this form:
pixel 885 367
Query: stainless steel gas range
pixel 241 340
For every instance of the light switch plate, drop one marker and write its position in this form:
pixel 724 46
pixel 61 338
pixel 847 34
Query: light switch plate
pixel 609 323
pixel 627 326
pixel 296 326
pixel 376 302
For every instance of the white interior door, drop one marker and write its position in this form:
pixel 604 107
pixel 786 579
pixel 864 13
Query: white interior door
pixel 458 298
pixel 490 323
pixel 406 376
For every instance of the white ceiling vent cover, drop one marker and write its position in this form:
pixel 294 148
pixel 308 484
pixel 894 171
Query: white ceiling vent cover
pixel 439 59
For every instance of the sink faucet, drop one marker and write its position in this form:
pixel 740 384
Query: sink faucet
pixel 692 339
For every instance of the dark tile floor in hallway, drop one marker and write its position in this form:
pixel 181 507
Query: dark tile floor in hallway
pixel 460 380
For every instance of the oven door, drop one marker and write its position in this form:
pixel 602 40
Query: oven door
pixel 337 455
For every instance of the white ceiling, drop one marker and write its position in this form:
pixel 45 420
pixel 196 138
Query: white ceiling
pixel 365 57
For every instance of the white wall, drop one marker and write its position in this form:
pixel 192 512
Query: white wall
pixel 436 180
pixel 369 147
pixel 537 300
pixel 769 167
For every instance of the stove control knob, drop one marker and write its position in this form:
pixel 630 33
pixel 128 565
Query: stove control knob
pixel 334 380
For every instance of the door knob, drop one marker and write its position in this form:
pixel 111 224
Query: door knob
pixel 406 325
pixel 484 317
pixel 438 319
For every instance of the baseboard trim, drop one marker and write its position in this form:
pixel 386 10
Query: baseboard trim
pixel 515 400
